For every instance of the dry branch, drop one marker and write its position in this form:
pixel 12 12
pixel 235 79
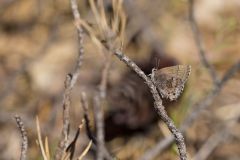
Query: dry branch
pixel 105 73
pixel 199 43
pixel 211 143
pixel 70 81
pixel 157 104
pixel 71 148
pixel 88 128
pixel 98 114
pixel 84 104
pixel 215 140
pixel 24 145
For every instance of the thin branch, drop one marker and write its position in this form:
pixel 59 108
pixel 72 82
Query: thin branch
pixel 24 145
pixel 105 73
pixel 230 73
pixel 98 114
pixel 214 140
pixel 199 43
pixel 156 150
pixel 84 104
pixel 88 128
pixel 207 101
pixel 66 122
pixel 197 109
pixel 157 104
pixel 71 148
pixel 211 143
pixel 70 81
pixel 99 99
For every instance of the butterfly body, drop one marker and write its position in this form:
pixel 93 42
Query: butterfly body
pixel 170 80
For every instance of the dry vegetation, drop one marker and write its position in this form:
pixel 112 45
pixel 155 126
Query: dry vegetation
pixel 65 82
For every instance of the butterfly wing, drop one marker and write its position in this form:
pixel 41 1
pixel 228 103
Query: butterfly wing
pixel 170 80
pixel 179 71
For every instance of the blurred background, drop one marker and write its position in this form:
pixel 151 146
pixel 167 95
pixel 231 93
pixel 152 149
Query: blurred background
pixel 38 47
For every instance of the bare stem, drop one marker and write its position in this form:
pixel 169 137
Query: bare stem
pixel 157 104
pixel 71 148
pixel 86 118
pixel 98 112
pixel 105 73
pixel 88 128
pixel 199 43
pixel 24 146
pixel 207 100
pixel 211 143
pixel 70 81
pixel 216 139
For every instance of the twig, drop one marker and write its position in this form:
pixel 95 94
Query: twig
pixel 66 122
pixel 105 73
pixel 230 73
pixel 211 143
pixel 71 147
pixel 24 145
pixel 98 108
pixel 153 152
pixel 206 101
pixel 88 128
pixel 214 140
pixel 98 114
pixel 86 118
pixel 101 94
pixel 199 43
pixel 69 84
pixel 157 104
pixel 197 109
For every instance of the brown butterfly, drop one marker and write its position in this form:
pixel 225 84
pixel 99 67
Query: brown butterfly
pixel 170 80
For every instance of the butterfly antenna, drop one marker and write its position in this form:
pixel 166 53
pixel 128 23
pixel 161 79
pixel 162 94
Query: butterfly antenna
pixel 157 62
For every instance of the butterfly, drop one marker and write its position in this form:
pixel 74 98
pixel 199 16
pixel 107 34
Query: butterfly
pixel 170 80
